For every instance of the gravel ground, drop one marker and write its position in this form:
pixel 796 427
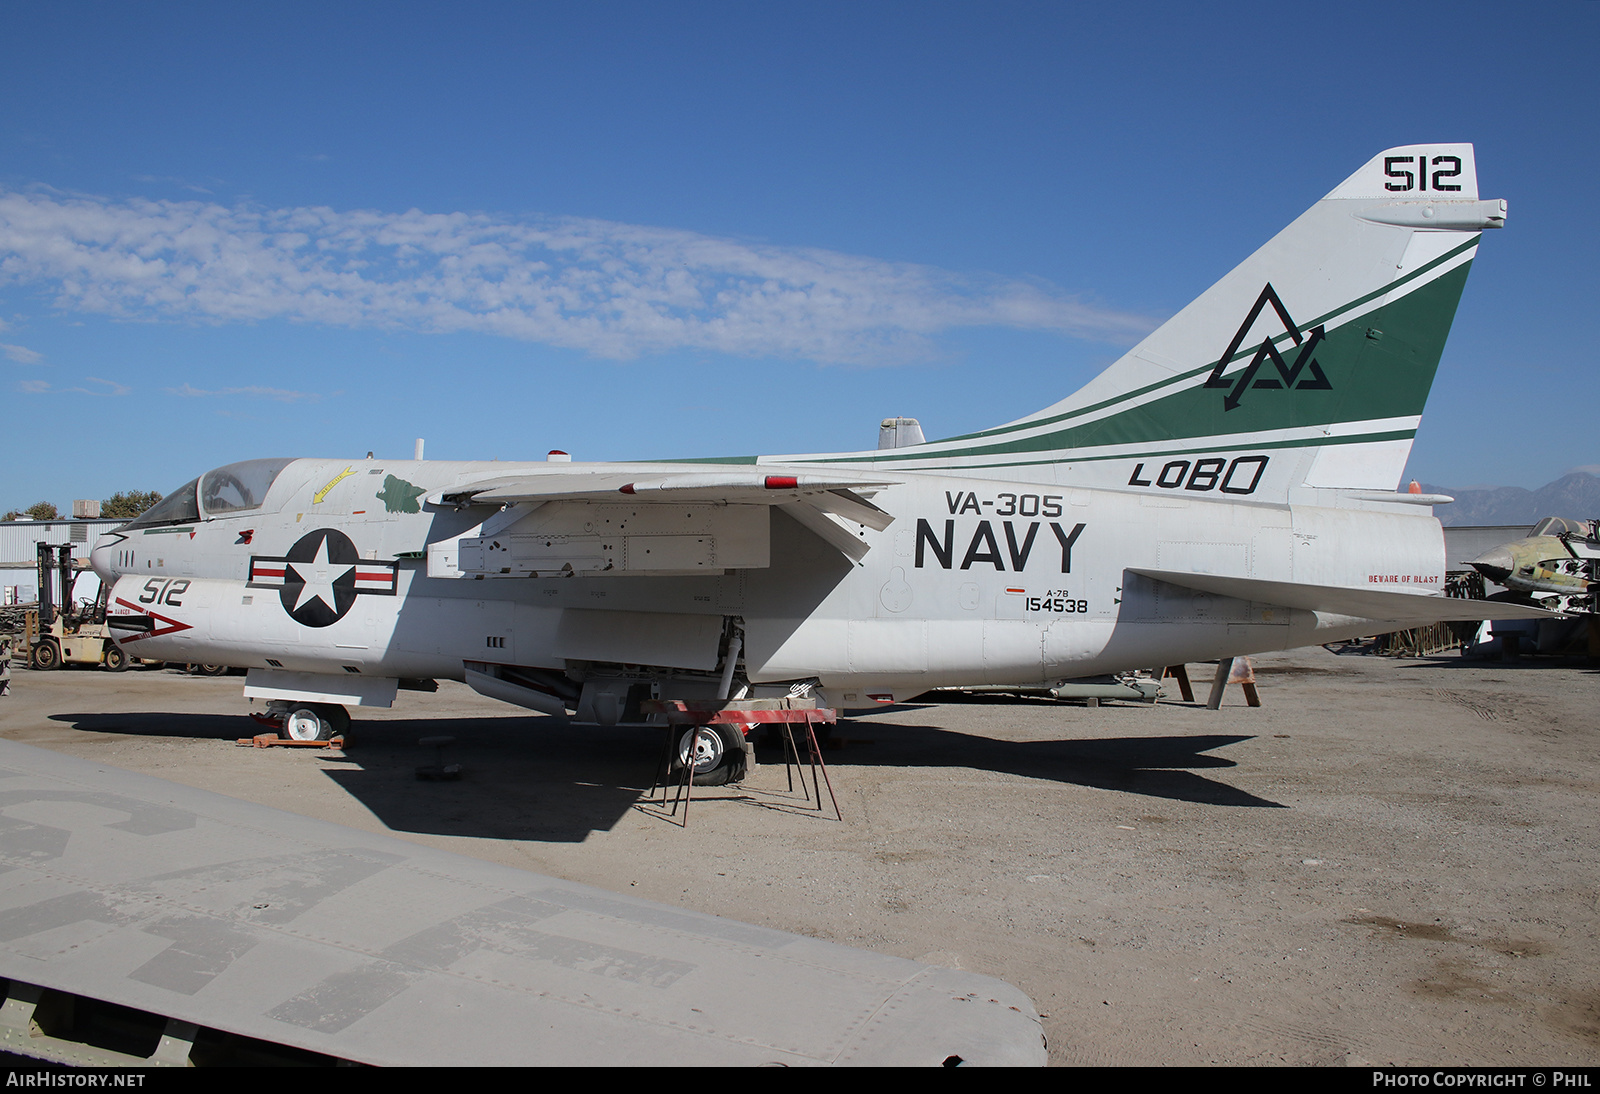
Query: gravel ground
pixel 1389 862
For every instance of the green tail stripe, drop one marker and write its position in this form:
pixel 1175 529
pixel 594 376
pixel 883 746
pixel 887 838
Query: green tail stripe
pixel 1198 450
pixel 1380 368
pixel 704 459
pixel 1154 454
pixel 1278 340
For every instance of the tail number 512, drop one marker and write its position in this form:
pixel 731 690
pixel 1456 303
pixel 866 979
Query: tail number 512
pixel 157 591
pixel 1398 168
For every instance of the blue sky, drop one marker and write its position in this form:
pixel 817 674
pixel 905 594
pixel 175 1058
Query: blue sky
pixel 685 229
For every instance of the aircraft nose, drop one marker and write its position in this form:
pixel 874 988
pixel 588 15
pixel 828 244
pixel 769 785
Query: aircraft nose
pixel 100 558
pixel 1496 565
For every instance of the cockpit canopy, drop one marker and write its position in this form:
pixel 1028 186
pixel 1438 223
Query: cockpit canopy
pixel 239 486
pixel 236 488
pixel 1561 526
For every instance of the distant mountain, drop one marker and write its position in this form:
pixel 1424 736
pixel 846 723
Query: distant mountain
pixel 1576 496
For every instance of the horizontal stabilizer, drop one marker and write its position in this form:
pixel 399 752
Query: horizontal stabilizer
pixel 1411 609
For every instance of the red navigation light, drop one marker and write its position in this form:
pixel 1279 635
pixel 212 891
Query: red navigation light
pixel 782 482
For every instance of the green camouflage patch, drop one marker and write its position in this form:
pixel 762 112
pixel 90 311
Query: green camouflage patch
pixel 399 496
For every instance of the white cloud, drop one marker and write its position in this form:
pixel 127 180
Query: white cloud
pixel 611 290
pixel 279 394
pixel 107 387
pixel 22 355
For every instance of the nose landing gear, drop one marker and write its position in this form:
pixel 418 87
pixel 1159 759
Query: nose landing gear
pixel 308 721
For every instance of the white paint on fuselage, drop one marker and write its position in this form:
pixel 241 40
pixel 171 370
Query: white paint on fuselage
pixel 976 581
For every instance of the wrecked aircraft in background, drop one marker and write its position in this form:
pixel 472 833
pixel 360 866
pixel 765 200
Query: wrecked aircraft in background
pixel 1553 567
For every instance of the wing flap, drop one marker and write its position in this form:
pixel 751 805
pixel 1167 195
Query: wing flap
pixel 830 531
pixel 849 505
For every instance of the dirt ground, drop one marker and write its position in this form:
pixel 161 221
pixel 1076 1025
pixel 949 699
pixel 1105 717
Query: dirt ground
pixel 1389 862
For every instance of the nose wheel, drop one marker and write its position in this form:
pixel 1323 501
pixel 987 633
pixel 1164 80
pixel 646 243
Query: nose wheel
pixel 314 722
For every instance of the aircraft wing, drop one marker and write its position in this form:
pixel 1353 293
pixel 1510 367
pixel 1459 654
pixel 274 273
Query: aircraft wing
pixel 209 916
pixel 734 486
pixel 661 519
pixel 1412 609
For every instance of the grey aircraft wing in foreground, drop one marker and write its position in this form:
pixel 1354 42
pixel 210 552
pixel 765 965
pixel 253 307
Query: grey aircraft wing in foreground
pixel 146 922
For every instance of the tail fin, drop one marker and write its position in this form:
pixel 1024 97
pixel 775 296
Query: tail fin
pixel 1307 365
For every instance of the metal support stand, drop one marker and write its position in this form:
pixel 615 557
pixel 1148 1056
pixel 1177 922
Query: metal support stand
pixel 1232 670
pixel 684 789
pixel 1224 667
pixel 700 713
pixel 1181 674
pixel 791 760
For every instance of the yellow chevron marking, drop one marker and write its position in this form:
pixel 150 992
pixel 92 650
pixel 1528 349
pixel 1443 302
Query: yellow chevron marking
pixel 335 481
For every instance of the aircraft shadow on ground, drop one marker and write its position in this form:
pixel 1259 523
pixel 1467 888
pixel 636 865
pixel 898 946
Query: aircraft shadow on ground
pixel 523 779
pixel 1158 767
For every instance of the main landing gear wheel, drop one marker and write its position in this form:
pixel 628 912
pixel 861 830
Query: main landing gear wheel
pixel 718 752
pixel 115 660
pixel 315 722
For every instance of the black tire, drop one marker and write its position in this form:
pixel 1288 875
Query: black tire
pixel 719 754
pixel 46 656
pixel 210 670
pixel 337 717
pixel 116 660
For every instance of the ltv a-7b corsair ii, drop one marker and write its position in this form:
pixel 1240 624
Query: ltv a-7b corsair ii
pixel 1227 487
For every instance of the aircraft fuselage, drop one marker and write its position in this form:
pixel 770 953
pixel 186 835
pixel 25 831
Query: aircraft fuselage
pixel 976 581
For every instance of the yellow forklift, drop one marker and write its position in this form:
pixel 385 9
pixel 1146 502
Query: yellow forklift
pixel 61 632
